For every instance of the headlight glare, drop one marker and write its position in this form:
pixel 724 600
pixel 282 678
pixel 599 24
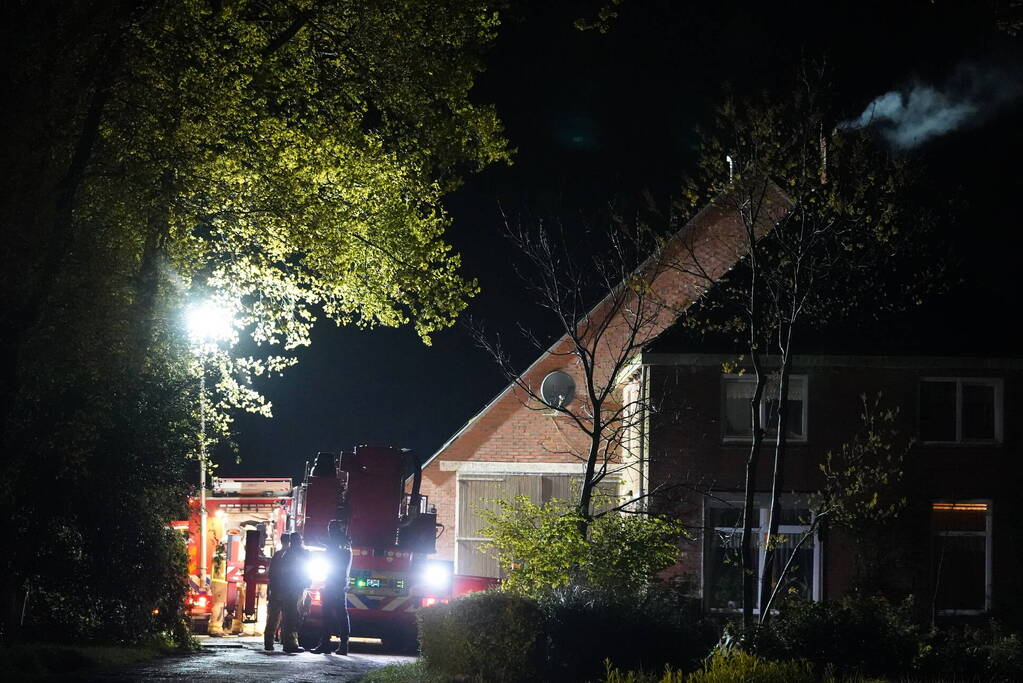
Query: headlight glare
pixel 436 576
pixel 317 568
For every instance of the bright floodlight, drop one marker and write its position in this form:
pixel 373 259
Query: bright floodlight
pixel 209 322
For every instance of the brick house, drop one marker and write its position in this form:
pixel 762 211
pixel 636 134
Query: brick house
pixel 511 448
pixel 962 472
pixel 958 541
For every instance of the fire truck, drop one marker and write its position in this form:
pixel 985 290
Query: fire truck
pixel 245 519
pixel 375 492
pixel 392 532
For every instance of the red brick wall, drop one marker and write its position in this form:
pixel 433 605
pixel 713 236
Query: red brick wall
pixel 687 448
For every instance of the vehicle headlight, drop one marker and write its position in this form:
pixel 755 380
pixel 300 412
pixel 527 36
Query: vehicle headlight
pixel 436 576
pixel 317 568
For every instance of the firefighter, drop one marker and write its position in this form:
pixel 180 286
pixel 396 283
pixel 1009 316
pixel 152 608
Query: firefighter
pixel 335 607
pixel 293 583
pixel 274 593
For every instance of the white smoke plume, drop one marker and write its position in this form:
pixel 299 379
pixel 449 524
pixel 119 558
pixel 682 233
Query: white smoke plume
pixel 919 112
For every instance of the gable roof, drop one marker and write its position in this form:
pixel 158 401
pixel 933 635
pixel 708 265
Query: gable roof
pixel 685 240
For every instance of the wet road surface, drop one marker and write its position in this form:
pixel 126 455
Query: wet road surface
pixel 243 659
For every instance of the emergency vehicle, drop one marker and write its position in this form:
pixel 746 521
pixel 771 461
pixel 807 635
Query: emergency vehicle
pixel 375 492
pixel 392 533
pixel 245 519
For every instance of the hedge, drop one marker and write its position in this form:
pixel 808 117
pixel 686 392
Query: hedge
pixel 489 636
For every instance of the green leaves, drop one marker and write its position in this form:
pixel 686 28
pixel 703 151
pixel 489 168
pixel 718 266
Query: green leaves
pixel 304 173
pixel 537 545
pixel 540 547
pixel 863 478
pixel 290 158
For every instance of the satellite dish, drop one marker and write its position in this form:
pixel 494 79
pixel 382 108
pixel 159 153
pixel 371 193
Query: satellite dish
pixel 557 389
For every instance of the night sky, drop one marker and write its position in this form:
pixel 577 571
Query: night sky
pixel 597 117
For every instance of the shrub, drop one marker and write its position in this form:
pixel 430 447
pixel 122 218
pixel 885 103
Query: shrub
pixel 624 551
pixel 540 546
pixel 537 545
pixel 489 636
pixel 584 625
pixel 614 675
pixel 1005 655
pixel 729 667
pixel 988 652
pixel 725 667
pixel 855 635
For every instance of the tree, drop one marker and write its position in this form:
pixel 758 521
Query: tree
pixel 597 344
pixel 285 158
pixel 291 157
pixel 610 294
pixel 863 491
pixel 862 495
pixel 849 242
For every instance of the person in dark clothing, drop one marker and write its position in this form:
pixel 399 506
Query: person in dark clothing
pixel 275 592
pixel 293 583
pixel 334 619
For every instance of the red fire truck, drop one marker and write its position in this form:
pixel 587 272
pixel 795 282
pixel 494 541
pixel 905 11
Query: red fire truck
pixel 392 534
pixel 245 519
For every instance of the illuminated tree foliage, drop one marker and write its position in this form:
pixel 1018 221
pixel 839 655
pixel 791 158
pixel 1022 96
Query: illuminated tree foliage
pixel 288 157
pixel 540 547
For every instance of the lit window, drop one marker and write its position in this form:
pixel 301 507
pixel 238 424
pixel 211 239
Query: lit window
pixel 961 410
pixel 737 419
pixel 961 556
pixel 722 561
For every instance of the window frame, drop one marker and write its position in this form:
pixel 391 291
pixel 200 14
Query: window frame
pixel 988 553
pixel 997 383
pixel 727 379
pixel 763 504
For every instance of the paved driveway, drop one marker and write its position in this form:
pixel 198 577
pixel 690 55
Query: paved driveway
pixel 243 659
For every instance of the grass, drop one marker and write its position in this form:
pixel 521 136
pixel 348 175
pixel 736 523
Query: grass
pixel 413 672
pixel 41 660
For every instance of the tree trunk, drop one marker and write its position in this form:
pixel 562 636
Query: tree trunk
pixel 749 508
pixel 586 491
pixel 777 485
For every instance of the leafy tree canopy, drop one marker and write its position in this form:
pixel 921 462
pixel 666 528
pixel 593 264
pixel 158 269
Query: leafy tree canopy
pixel 290 155
pixel 286 158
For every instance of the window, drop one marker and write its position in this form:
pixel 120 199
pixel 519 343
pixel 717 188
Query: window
pixel 476 490
pixel 961 410
pixel 961 556
pixel 723 560
pixel 737 422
